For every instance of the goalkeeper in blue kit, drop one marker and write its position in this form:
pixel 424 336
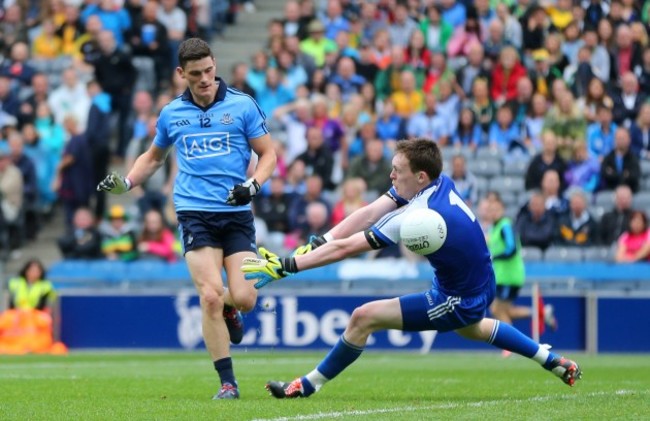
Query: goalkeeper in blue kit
pixel 214 130
pixel 461 291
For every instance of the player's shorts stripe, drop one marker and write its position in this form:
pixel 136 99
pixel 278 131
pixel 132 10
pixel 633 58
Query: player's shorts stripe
pixel 444 308
pixel 495 329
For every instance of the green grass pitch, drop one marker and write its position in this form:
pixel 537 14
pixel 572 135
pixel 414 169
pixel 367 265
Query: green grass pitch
pixel 380 386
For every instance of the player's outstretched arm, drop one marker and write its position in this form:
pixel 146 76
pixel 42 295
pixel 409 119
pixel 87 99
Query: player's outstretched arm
pixel 271 267
pixel 357 221
pixel 142 169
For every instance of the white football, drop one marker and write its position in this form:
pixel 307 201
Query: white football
pixel 423 231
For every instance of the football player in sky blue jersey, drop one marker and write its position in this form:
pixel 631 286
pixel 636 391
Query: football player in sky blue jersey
pixel 214 130
pixel 462 289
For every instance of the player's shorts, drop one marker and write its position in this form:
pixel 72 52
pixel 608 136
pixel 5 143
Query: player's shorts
pixel 231 231
pixel 435 310
pixel 507 292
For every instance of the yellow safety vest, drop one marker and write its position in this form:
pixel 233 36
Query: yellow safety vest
pixel 25 295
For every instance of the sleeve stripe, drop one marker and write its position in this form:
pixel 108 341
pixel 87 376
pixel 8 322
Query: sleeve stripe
pixel 235 92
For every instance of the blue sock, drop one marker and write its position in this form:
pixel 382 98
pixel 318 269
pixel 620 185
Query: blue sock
pixel 507 337
pixel 226 373
pixel 342 355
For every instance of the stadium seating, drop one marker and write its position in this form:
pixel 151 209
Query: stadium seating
pixel 504 184
pixel 532 254
pixel 599 254
pixel 485 167
pixel 563 254
pixel 516 168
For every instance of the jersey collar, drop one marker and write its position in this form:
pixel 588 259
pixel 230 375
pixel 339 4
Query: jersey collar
pixel 221 94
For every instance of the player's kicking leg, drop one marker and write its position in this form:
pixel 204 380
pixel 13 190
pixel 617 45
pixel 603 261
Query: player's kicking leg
pixel 504 336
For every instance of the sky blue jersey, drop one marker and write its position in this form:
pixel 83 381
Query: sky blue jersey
pixel 212 146
pixel 462 265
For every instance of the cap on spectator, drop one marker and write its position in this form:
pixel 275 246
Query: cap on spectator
pixel 4 149
pixel 117 212
pixel 541 55
pixel 316 26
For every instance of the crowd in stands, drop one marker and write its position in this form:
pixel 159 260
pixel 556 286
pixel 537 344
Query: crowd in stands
pixel 545 102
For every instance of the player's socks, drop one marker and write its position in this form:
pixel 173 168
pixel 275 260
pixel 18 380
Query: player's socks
pixel 507 337
pixel 340 356
pixel 226 373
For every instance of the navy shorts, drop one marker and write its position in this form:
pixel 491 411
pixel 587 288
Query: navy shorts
pixel 435 310
pixel 231 231
pixel 507 292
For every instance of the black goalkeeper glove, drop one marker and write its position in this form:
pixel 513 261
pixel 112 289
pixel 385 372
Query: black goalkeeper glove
pixel 242 193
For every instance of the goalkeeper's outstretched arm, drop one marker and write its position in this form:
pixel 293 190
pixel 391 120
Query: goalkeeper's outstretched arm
pixel 334 251
pixel 363 218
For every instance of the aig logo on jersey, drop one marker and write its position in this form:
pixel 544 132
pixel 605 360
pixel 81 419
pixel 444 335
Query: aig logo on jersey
pixel 206 145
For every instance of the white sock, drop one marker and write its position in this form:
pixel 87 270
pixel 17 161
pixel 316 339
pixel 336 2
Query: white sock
pixel 316 379
pixel 541 355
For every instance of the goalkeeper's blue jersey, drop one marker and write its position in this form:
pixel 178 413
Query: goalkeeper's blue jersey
pixel 212 148
pixel 462 265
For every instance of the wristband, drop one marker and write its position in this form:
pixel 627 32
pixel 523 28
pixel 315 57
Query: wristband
pixel 128 183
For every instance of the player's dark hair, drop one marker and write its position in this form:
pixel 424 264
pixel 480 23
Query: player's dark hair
pixel 423 155
pixel 193 49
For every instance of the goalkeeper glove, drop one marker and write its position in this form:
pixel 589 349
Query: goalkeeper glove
pixel 243 193
pixel 269 269
pixel 114 183
pixel 315 241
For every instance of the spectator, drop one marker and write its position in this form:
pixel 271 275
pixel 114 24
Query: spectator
pixel 474 68
pixel 428 123
pixel 17 67
pixel 615 221
pixel 634 244
pixel 98 137
pixel 114 18
pixel 402 26
pixel 295 76
pixel 13 28
pixel 272 208
pixel 372 167
pixel 366 67
pixel 70 98
pixel 316 44
pixel 557 61
pixel 644 70
pixel 520 105
pixel 534 24
pixel 116 75
pixel 628 102
pixel 579 74
pixel 238 78
pixel 295 117
pixel 625 55
pixel 118 236
pixel 352 198
pixel 577 227
pixel 73 180
pixel 572 42
pixel 595 97
pixel 388 80
pixel 318 157
pixel 273 94
pixel 464 39
pixel 453 12
pixel 554 201
pixel 504 135
pixel 348 81
pixel 541 73
pixel 304 60
pixel 291 23
pixel 448 104
pixel 408 99
pixel 149 38
pixel 566 123
pixel 599 55
pixel 621 165
pixel 31 290
pixel 39 93
pixel 600 134
pixel 485 13
pixel 464 181
pixel 506 75
pixel 317 222
pixel 436 31
pixel 9 103
pixel 70 31
pixel 81 240
pixel 11 198
pixel 297 210
pixel 156 241
pixel 583 170
pixel 468 134
pixel 512 32
pixel 88 51
pixel 640 133
pixel 536 225
pixel 438 72
pixel 47 45
pixel 494 42
pixel 30 183
pixel 390 127
pixel 482 106
pixel 154 193
pixel 175 20
pixel 416 53
pixel 295 180
pixel 534 123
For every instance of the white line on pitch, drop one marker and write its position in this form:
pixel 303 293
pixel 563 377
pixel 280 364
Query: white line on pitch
pixel 450 405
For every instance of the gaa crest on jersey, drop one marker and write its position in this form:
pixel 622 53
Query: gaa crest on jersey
pixel 226 119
